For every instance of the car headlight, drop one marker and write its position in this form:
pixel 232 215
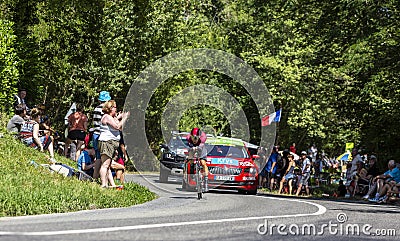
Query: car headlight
pixel 253 170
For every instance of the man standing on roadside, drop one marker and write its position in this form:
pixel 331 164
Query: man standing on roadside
pixel 305 173
pixel 269 172
pixel 97 114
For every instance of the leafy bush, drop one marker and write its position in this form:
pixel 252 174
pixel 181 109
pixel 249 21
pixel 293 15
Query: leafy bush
pixel 8 65
pixel 26 190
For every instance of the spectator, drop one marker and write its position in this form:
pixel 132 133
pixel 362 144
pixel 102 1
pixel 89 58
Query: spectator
pixel 392 193
pixel 333 165
pixel 15 123
pixel 269 171
pixel 30 135
pixel 357 178
pixel 388 189
pixel 109 138
pixel 313 152
pixel 373 170
pixel 118 165
pixel 390 176
pixel 289 174
pixel 77 126
pixel 317 169
pixel 292 148
pixel 85 162
pixel 97 114
pixel 261 152
pixel 282 163
pixel 19 98
pixel 341 191
pixel 305 171
pixel 355 158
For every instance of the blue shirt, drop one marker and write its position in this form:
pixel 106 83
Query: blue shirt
pixel 273 158
pixel 394 173
pixel 84 158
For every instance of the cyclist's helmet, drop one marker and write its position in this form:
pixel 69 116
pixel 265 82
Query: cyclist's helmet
pixel 195 134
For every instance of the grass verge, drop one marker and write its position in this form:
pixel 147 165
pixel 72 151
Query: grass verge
pixel 29 190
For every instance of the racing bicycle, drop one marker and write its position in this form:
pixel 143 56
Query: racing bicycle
pixel 196 176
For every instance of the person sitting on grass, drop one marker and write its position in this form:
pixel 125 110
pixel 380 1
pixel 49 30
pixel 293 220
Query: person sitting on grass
pixel 393 194
pixel 15 123
pixel 119 169
pixel 30 135
pixel 341 190
pixel 357 178
pixel 387 191
pixel 393 174
pixel 85 161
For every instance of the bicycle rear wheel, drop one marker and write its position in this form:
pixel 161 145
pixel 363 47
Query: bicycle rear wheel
pixel 198 182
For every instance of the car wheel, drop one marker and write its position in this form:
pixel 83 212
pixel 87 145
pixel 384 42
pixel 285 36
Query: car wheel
pixel 164 172
pixel 240 191
pixel 252 192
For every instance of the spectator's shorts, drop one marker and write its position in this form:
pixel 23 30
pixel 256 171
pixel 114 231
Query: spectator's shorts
pixel 304 179
pixel 76 135
pixel 45 140
pixel 289 176
pixel 108 148
pixel 268 175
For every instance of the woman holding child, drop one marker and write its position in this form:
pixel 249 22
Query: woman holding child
pixel 110 127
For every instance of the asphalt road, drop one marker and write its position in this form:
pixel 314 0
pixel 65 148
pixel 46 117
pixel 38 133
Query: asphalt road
pixel 178 215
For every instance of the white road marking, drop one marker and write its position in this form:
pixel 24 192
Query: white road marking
pixel 321 210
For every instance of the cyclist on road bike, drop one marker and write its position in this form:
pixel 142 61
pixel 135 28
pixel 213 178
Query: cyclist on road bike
pixel 196 140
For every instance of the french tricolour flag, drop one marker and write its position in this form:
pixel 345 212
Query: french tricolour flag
pixel 274 117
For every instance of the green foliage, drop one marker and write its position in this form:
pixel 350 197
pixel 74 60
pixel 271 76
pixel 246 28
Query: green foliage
pixel 333 67
pixel 27 190
pixel 8 65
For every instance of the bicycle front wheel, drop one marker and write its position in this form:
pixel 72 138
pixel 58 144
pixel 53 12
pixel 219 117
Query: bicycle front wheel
pixel 198 183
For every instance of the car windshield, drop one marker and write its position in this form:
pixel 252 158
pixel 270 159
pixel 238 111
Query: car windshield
pixel 178 142
pixel 227 151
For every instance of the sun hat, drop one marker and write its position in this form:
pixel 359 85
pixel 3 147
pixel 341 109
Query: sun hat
pixel 104 96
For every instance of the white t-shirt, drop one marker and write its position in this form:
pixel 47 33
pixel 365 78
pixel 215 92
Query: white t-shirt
pixel 354 163
pixel 306 162
pixel 15 123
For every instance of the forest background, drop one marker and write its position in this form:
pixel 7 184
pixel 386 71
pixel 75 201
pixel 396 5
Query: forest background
pixel 332 66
